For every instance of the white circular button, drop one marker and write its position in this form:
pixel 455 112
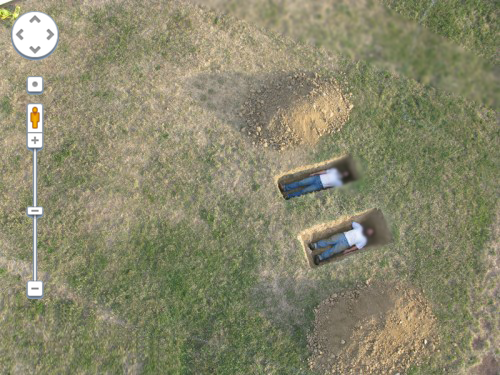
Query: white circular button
pixel 35 35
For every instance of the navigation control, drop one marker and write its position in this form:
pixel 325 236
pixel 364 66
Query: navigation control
pixel 35 35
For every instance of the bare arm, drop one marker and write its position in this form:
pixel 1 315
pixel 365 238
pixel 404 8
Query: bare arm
pixel 318 173
pixel 350 250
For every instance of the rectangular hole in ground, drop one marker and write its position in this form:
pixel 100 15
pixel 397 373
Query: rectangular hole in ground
pixel 344 163
pixel 372 218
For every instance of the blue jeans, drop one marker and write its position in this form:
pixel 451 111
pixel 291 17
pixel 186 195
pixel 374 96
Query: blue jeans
pixel 335 244
pixel 307 185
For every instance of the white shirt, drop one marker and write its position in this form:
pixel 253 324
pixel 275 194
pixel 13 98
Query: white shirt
pixel 331 178
pixel 355 237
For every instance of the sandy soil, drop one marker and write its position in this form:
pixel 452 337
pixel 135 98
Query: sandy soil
pixel 294 108
pixel 372 330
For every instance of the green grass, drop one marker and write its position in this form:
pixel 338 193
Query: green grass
pixel 5 105
pixel 161 212
pixel 371 32
pixel 471 23
pixel 65 321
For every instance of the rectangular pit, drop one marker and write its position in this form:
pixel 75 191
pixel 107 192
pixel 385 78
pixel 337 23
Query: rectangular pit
pixel 343 163
pixel 372 218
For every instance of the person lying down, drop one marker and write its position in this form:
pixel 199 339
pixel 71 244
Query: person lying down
pixel 315 182
pixel 342 243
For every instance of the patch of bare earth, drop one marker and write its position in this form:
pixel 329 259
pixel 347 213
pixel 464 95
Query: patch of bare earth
pixel 372 330
pixel 292 109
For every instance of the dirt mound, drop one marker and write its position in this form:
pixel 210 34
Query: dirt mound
pixel 293 109
pixel 371 330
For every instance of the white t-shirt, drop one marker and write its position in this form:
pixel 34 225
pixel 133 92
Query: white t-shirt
pixel 356 236
pixel 331 178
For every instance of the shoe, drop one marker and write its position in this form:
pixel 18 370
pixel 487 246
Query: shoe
pixel 317 260
pixel 312 246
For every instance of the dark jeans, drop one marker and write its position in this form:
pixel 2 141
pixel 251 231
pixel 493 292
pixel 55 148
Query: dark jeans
pixel 307 185
pixel 335 244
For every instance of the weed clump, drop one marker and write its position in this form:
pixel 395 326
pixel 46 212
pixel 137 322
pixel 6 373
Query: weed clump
pixel 6 14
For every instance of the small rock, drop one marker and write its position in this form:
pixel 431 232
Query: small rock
pixel 342 342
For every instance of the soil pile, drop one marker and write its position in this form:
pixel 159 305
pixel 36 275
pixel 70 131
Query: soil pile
pixel 372 330
pixel 293 109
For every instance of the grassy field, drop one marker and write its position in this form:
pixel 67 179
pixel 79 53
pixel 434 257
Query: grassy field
pixel 165 246
pixel 471 23
pixel 366 30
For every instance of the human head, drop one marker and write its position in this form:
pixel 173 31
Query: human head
pixel 35 109
pixel 369 232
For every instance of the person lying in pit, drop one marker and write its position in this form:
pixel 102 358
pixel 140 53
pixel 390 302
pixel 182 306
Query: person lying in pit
pixel 342 243
pixel 315 182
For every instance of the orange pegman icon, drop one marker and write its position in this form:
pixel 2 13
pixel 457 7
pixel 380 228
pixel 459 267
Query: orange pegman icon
pixel 35 117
